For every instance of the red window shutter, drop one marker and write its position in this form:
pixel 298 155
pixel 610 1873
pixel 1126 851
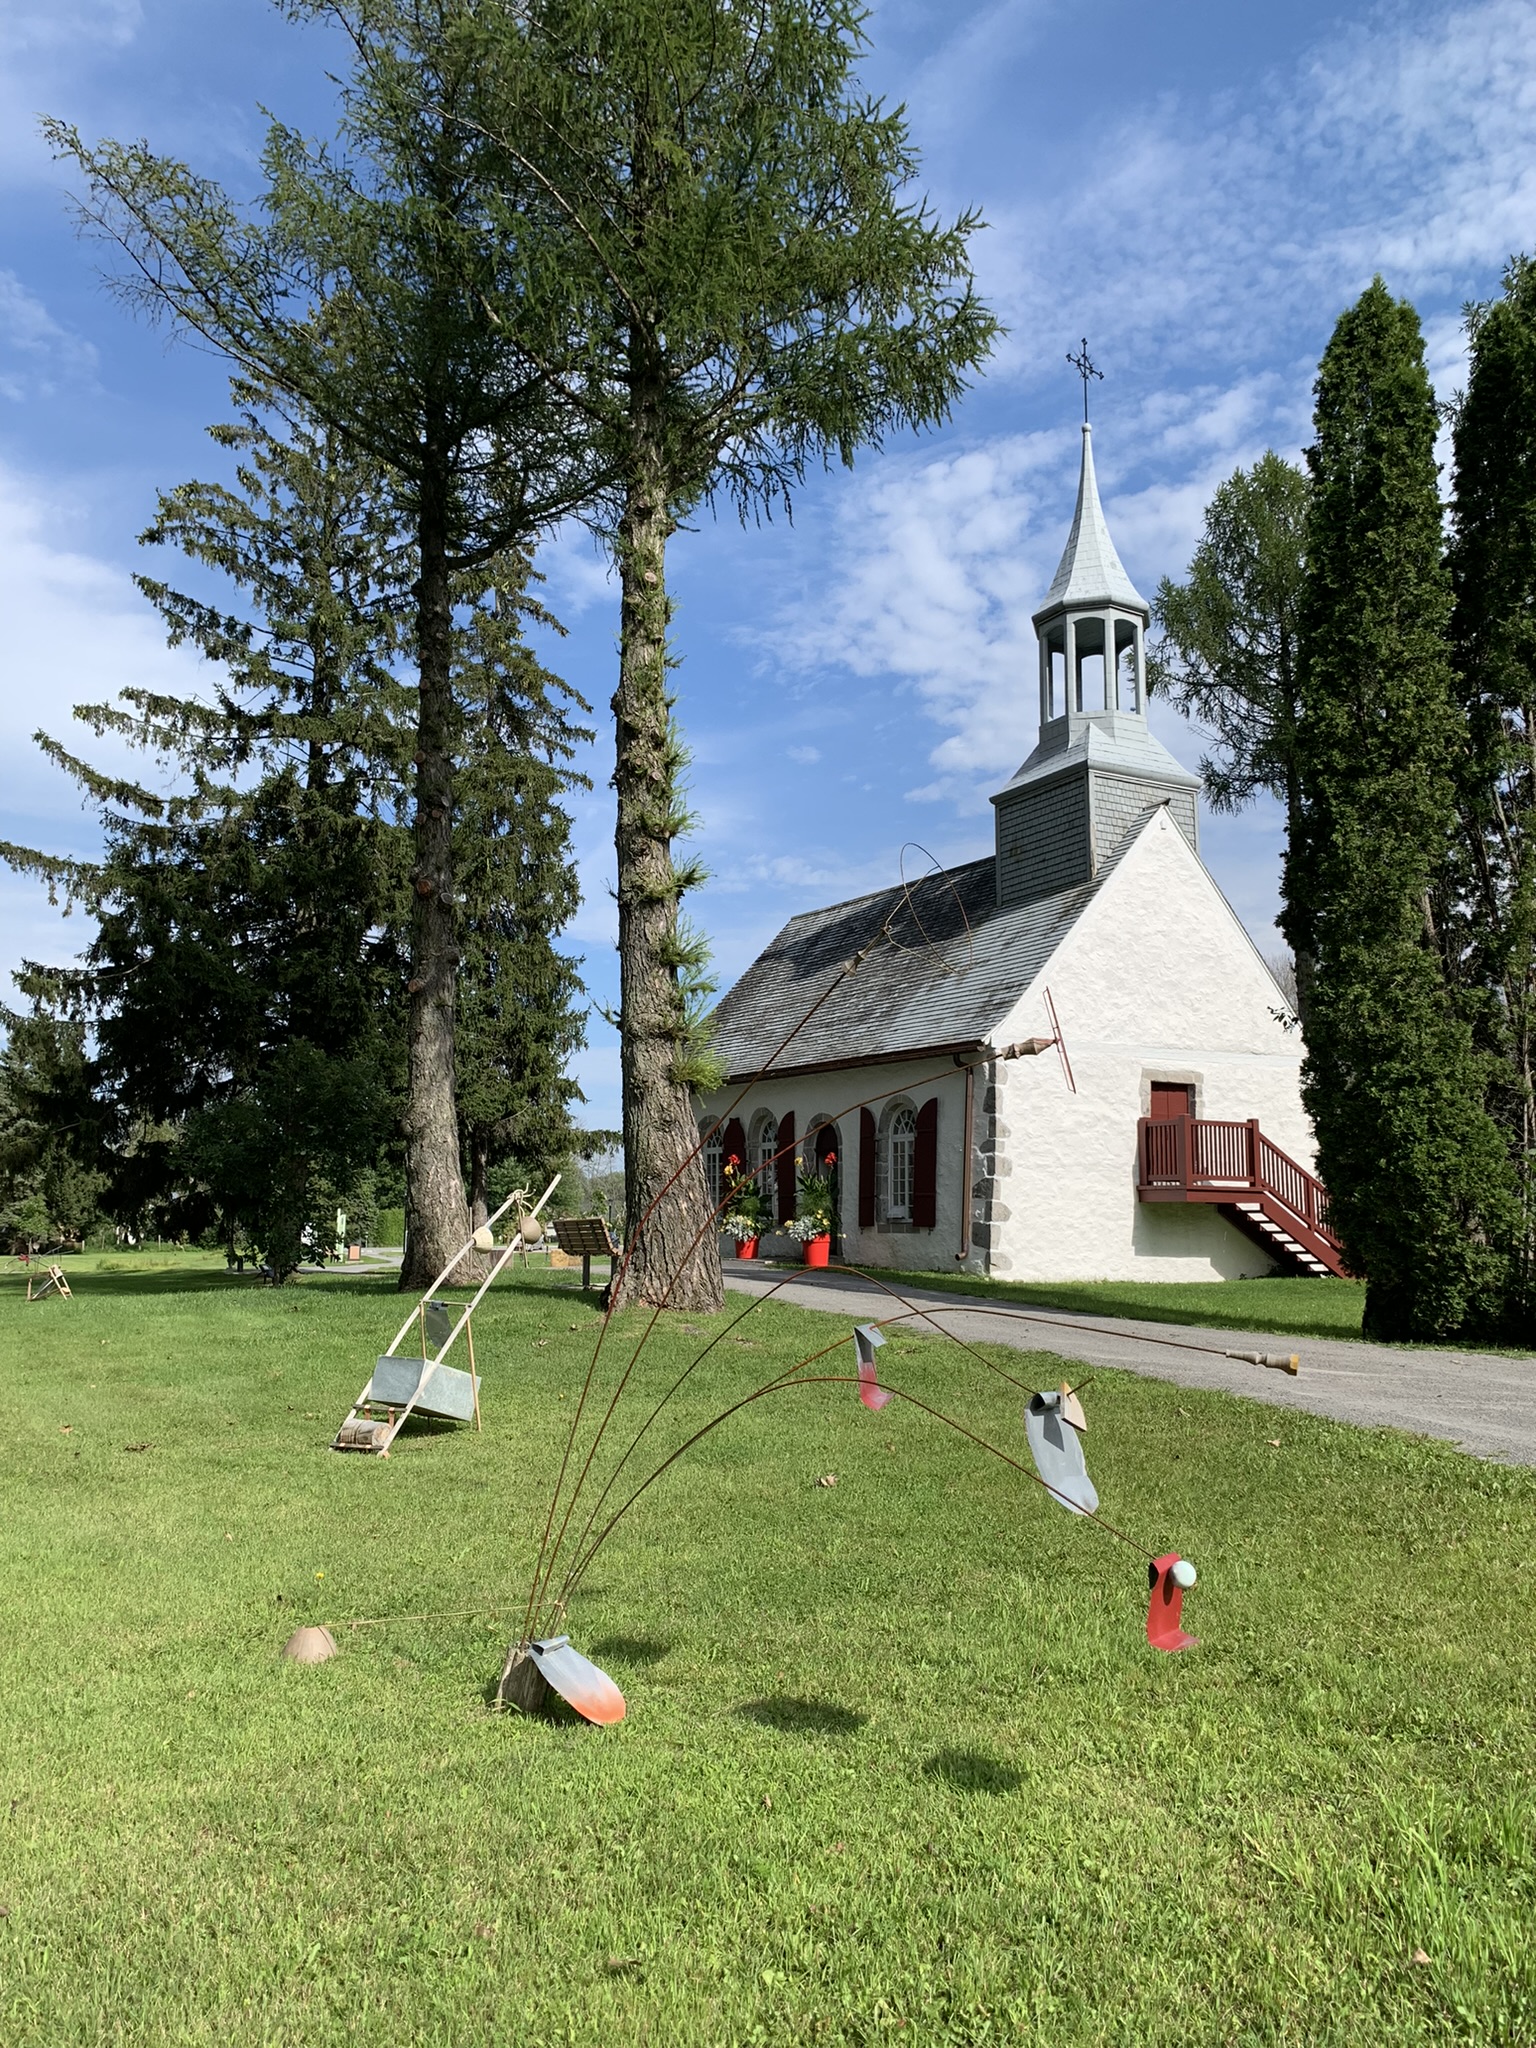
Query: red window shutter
pixel 733 1140
pixel 925 1167
pixel 867 1143
pixel 787 1189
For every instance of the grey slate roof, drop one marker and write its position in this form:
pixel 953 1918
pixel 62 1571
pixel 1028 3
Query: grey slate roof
pixel 953 969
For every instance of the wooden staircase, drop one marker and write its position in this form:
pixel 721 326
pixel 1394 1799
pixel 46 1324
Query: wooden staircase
pixel 1254 1184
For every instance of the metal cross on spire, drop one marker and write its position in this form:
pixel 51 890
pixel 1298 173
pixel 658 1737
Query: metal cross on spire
pixel 1084 365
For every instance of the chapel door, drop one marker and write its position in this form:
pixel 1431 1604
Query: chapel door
pixel 1172 1098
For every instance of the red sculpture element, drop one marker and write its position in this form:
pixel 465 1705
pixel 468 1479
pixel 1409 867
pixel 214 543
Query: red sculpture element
pixel 1166 1606
pixel 866 1339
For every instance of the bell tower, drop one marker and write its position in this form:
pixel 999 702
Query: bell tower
pixel 1096 769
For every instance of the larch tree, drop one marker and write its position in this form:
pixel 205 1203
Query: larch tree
pixel 371 286
pixel 720 223
pixel 1227 653
pixel 1492 917
pixel 247 979
pixel 1418 1179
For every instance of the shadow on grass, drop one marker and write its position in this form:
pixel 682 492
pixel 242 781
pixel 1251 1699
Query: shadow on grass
pixel 630 1649
pixel 802 1717
pixel 118 1286
pixel 967 1770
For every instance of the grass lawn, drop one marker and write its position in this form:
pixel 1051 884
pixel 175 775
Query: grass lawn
pixel 898 1768
pixel 1295 1308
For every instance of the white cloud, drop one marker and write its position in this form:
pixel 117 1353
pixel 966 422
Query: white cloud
pixel 1229 235
pixel 36 353
pixel 65 26
pixel 75 631
pixel 807 757
pixel 1206 232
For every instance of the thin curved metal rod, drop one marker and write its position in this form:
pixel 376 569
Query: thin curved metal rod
pixel 1016 1315
pixel 547 1561
pixel 539 1572
pixel 910 1309
pixel 783 1385
pixel 636 1440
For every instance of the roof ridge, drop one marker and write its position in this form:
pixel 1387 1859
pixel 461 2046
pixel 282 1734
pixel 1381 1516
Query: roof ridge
pixel 890 889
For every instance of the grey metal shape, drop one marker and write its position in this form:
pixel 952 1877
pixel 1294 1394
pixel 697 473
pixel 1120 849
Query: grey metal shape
pixel 578 1680
pixel 448 1391
pixel 439 1320
pixel 868 1338
pixel 1057 1450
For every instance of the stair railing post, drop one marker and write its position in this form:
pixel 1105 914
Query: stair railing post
pixel 1255 1156
pixel 1185 1145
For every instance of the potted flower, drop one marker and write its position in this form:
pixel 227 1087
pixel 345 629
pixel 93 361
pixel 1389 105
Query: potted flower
pixel 818 1213
pixel 743 1217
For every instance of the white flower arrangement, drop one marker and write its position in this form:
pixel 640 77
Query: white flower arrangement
pixel 742 1228
pixel 805 1228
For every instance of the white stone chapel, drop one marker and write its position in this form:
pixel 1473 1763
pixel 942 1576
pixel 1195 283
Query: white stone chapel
pixel 1067 1060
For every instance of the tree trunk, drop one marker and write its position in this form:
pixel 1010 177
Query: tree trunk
pixel 1306 965
pixel 436 1214
pixel 660 1137
pixel 479 1175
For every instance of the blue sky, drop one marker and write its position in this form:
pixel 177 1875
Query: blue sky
pixel 1199 187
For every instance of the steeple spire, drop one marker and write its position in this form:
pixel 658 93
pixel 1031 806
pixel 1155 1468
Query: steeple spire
pixel 1097 769
pixel 1090 571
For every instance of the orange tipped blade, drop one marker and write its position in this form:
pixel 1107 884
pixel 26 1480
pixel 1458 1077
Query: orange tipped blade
pixel 866 1341
pixel 578 1681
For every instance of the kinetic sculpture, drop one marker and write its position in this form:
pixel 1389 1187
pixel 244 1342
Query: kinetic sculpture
pixel 426 1383
pixel 540 1656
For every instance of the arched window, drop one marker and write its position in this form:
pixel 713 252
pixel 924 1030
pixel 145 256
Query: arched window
pixel 765 1143
pixel 714 1158
pixel 899 1151
pixel 823 1144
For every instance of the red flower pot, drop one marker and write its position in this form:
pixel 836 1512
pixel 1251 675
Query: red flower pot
pixel 817 1250
pixel 746 1248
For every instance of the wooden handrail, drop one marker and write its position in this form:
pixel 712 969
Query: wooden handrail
pixel 1212 1155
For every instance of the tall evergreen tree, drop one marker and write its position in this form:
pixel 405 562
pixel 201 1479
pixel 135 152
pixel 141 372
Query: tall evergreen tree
pixel 1227 655
pixel 520 1016
pixel 1419 1181
pixel 248 978
pixel 370 286
pixel 253 910
pixel 1492 916
pixel 722 219
pixel 50 1118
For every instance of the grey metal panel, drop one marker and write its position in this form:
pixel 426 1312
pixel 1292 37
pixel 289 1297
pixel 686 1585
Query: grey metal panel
pixel 1057 1450
pixel 449 1391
